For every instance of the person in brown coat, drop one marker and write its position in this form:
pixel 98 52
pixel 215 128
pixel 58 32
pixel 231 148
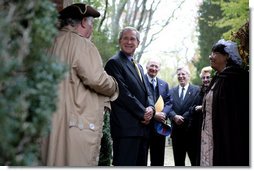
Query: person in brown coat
pixel 84 94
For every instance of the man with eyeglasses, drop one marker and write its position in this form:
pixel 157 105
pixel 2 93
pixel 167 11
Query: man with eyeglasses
pixel 84 94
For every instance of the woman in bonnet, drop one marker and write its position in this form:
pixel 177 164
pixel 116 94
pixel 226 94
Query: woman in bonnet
pixel 225 128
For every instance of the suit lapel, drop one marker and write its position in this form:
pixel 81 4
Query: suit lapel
pixel 188 94
pixel 160 86
pixel 132 69
pixel 176 95
pixel 147 82
pixel 134 72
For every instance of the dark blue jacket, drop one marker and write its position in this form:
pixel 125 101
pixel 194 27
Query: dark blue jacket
pixel 129 108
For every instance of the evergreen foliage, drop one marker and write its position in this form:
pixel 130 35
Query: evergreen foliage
pixel 219 19
pixel 106 143
pixel 235 15
pixel 28 78
pixel 106 48
pixel 209 33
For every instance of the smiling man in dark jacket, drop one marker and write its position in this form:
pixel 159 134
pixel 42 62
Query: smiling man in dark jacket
pixel 134 108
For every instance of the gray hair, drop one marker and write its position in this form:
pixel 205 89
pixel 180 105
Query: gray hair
pixel 184 68
pixel 69 21
pixel 74 22
pixel 204 70
pixel 89 20
pixel 129 28
pixel 154 59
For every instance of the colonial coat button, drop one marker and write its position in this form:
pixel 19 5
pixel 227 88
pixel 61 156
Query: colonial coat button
pixel 91 126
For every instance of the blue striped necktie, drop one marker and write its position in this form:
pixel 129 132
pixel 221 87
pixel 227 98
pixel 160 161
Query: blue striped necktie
pixel 154 83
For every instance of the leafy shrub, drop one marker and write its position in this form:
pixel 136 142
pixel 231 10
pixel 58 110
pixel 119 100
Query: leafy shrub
pixel 28 78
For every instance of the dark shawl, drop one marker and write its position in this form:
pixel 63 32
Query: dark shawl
pixel 196 122
pixel 231 117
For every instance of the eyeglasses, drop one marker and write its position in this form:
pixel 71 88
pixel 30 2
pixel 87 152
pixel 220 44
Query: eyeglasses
pixel 206 77
pixel 214 54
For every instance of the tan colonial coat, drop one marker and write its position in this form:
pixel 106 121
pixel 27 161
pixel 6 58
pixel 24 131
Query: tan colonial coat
pixel 77 124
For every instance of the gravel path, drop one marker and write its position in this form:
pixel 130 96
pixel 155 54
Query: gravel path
pixel 169 160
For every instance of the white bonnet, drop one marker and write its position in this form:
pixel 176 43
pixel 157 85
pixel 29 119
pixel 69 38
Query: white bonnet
pixel 232 50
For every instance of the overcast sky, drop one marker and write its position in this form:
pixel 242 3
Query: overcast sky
pixel 182 29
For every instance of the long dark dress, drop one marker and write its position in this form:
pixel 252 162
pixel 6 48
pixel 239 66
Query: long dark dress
pixel 230 118
pixel 196 123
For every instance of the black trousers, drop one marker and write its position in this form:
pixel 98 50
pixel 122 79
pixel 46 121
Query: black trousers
pixel 157 149
pixel 130 151
pixel 182 142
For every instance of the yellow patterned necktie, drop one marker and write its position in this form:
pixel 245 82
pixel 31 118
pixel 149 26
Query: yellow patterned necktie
pixel 137 69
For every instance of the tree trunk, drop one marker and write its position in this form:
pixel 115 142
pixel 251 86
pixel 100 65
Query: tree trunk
pixel 117 11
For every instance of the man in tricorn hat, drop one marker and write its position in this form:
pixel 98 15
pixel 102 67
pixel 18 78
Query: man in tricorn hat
pixel 85 93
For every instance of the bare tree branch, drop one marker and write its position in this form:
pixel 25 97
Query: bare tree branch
pixel 139 14
pixel 134 16
pixel 150 16
pixel 154 36
pixel 104 15
pixel 117 13
pixel 143 15
pixel 129 8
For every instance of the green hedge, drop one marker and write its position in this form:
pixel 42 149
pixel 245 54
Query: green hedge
pixel 28 78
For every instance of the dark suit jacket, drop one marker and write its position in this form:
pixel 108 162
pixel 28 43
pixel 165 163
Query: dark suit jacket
pixel 182 109
pixel 163 90
pixel 129 108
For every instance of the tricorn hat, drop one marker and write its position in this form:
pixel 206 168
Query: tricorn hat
pixel 78 11
pixel 162 128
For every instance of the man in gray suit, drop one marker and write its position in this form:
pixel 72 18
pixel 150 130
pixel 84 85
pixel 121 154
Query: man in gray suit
pixel 183 97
